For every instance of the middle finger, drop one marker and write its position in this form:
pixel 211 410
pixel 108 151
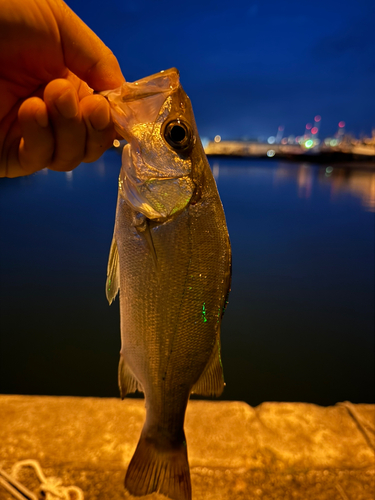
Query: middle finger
pixel 68 126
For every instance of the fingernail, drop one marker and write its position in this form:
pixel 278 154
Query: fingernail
pixel 67 104
pixel 100 117
pixel 41 117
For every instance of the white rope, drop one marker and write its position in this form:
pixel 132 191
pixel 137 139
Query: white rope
pixel 50 486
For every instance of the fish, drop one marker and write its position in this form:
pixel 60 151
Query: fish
pixel 170 262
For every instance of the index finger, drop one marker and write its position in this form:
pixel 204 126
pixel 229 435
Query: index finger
pixel 85 54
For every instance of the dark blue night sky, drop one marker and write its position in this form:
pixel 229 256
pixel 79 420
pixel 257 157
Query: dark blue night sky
pixel 251 66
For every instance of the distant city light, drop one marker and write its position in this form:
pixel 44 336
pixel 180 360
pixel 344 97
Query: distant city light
pixel 333 142
pixel 270 153
pixel 308 126
pixel 341 124
pixel 314 130
pixel 329 171
pixel 317 118
pixel 116 143
pixel 284 141
pixel 217 138
pixel 309 143
pixel 281 128
pixel 271 140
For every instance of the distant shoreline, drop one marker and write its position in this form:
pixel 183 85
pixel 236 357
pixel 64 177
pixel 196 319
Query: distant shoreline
pixel 345 155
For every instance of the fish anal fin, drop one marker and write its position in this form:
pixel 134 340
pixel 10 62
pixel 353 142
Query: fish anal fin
pixel 159 467
pixel 211 382
pixel 113 273
pixel 127 381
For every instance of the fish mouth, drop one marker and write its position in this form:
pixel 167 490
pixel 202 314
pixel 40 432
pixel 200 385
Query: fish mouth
pixel 157 198
pixel 165 81
pixel 152 91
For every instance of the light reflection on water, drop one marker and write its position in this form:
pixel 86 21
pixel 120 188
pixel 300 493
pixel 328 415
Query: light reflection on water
pixel 299 325
pixel 357 182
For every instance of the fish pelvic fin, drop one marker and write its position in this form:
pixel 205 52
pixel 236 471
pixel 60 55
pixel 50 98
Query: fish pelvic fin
pixel 112 285
pixel 211 382
pixel 127 381
pixel 160 467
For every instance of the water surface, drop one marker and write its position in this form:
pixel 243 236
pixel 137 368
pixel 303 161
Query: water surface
pixel 300 322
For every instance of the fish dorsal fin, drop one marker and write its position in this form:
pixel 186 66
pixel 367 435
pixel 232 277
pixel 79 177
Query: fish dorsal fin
pixel 127 381
pixel 112 285
pixel 211 382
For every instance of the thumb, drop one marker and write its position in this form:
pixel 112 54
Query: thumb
pixel 84 53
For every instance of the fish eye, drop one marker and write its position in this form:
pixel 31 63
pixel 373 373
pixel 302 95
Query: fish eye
pixel 178 135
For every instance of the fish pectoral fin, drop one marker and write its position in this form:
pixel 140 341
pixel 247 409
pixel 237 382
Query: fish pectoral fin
pixel 127 381
pixel 211 382
pixel 112 285
pixel 143 229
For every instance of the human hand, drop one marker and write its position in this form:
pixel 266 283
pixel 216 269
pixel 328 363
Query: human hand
pixel 49 116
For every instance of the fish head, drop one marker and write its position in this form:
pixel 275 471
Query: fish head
pixel 155 117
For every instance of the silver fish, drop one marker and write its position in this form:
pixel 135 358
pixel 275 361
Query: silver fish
pixel 170 257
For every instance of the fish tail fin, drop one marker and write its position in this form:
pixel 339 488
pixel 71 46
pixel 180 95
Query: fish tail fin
pixel 160 467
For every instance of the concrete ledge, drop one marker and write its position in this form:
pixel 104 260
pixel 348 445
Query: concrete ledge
pixel 276 450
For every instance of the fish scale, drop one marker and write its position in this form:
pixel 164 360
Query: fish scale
pixel 170 258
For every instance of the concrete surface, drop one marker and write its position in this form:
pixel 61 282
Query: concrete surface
pixel 274 451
